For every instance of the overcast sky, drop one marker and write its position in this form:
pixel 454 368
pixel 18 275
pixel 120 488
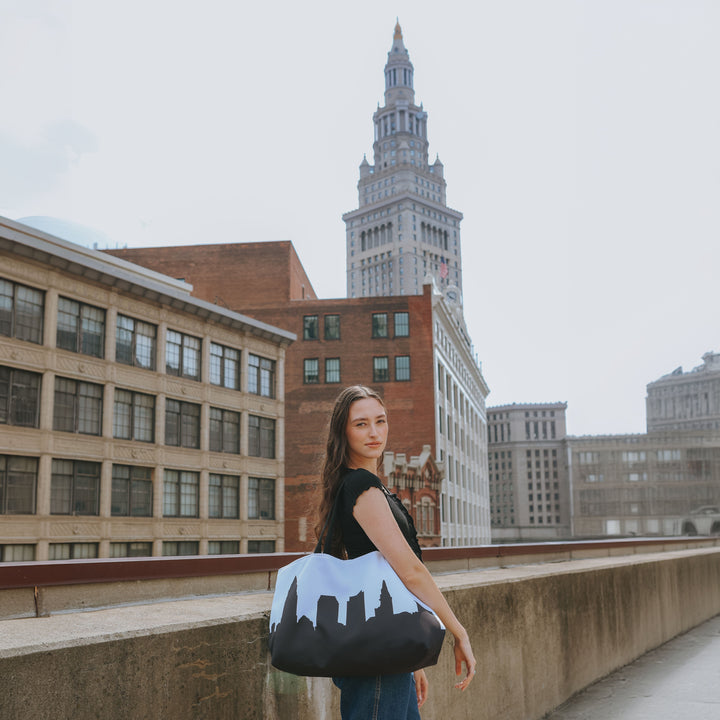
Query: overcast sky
pixel 581 140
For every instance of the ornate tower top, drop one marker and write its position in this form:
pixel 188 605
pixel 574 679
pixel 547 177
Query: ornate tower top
pixel 402 230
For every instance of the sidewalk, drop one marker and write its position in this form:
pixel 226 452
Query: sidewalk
pixel 678 680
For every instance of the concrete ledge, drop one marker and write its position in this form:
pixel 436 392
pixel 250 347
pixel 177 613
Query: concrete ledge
pixel 540 633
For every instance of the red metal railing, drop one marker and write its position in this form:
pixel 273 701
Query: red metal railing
pixel 79 572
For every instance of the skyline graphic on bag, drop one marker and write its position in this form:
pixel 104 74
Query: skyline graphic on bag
pixel 349 617
pixel 335 617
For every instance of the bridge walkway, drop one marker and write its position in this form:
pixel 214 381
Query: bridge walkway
pixel 680 680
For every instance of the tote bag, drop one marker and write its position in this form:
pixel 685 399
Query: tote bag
pixel 333 617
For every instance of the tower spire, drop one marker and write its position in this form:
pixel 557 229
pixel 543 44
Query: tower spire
pixel 398 70
pixel 402 228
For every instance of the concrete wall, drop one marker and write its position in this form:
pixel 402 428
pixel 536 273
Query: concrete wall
pixel 540 634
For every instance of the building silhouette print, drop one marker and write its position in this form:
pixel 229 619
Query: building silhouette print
pixel 328 640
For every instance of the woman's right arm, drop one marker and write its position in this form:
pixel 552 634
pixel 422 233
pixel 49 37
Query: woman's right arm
pixel 375 517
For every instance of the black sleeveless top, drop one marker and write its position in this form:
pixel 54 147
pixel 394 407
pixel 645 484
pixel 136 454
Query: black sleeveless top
pixel 355 483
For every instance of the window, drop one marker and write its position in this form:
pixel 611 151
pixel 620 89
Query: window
pixel 224 496
pixel 19 397
pixel 332 370
pixel 132 491
pixel 135 342
pixel 380 369
pixel 402 368
pixel 182 424
pixel 402 324
pixel 130 549
pixel 182 355
pixel 379 325
pixel 261 437
pixel 425 513
pixel 332 327
pixel 261 376
pixel 261 499
pixel 183 547
pixel 134 416
pixel 637 477
pixel 261 546
pixel 224 431
pixel 311 372
pixel 78 407
pixel 17 553
pixel 72 551
pixel 310 327
pixel 74 487
pixel 18 485
pixel 668 455
pixel 180 493
pixel 633 456
pixel 587 458
pixel 21 312
pixel 80 327
pixel 223 547
pixel 224 366
pixel 594 477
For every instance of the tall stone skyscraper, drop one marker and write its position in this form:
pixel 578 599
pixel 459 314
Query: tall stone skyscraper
pixel 403 229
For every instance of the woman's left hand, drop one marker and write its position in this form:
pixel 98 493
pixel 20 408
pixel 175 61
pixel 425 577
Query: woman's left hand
pixel 421 687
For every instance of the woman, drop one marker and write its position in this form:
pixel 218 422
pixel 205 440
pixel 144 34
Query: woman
pixel 371 520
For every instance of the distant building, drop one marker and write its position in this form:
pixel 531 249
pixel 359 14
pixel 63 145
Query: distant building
pixel 529 489
pixel 642 484
pixel 136 418
pixel 545 484
pixel 686 400
pixel 649 484
pixel 402 229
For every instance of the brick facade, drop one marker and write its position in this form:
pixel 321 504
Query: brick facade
pixel 266 281
pixel 234 275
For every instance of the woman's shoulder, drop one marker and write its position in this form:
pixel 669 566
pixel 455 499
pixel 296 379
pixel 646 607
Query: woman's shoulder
pixel 356 482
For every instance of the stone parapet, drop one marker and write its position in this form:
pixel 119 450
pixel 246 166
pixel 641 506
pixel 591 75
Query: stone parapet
pixel 540 633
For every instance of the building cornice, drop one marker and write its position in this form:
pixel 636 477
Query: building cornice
pixel 110 271
pixel 401 197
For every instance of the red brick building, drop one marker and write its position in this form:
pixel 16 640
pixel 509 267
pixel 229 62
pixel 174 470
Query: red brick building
pixel 388 343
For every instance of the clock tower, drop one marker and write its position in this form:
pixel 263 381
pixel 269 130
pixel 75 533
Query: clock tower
pixel 403 229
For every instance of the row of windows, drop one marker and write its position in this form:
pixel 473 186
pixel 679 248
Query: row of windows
pixel 81 329
pixel 75 490
pixel 631 456
pixel 548 519
pixel 627 477
pixel 381 369
pixel 78 408
pixel 380 326
pixel 76 551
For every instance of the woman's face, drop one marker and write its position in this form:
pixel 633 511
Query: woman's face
pixel 366 433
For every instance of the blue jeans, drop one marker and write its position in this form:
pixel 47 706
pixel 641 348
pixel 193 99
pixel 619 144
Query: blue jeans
pixel 383 697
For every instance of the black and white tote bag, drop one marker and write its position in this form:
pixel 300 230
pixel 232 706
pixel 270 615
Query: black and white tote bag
pixel 333 617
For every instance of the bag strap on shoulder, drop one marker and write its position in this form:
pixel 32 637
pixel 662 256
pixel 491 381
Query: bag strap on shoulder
pixel 323 546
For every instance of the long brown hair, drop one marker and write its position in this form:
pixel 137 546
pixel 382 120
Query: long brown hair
pixel 336 457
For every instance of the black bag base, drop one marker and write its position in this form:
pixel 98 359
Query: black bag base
pixel 331 649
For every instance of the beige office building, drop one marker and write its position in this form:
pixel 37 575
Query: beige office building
pixel 529 491
pixel 686 400
pixel 642 484
pixel 135 419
